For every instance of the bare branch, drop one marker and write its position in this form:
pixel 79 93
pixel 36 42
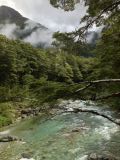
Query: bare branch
pixel 90 83
pixel 84 88
pixel 104 80
pixel 98 81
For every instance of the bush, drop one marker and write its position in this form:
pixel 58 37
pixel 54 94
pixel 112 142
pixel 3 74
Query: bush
pixel 6 114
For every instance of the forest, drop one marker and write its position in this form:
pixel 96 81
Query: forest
pixel 46 75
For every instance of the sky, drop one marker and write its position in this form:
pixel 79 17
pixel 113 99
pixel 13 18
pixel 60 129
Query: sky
pixel 41 11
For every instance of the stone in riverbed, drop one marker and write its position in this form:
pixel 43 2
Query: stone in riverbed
pixel 30 112
pixel 117 121
pixel 76 130
pixel 27 159
pixel 95 156
pixel 27 156
pixel 9 139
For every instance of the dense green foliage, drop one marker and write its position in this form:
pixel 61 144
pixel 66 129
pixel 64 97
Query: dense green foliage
pixel 66 42
pixel 107 50
pixel 30 73
pixel 64 4
pixel 20 62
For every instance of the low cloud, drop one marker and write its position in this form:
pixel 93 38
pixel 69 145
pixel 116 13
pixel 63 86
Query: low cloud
pixel 8 30
pixel 94 34
pixel 40 37
pixel 33 33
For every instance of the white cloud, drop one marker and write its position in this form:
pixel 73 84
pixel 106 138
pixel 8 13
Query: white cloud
pixel 8 3
pixel 43 36
pixel 39 36
pixel 8 30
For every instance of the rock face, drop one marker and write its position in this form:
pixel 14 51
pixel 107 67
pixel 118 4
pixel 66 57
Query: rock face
pixel 95 156
pixel 11 15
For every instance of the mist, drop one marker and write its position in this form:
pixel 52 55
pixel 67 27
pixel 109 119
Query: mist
pixel 33 33
pixel 8 30
pixel 40 37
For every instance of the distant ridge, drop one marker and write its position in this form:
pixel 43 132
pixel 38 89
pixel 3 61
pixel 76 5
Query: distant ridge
pixel 11 15
pixel 24 26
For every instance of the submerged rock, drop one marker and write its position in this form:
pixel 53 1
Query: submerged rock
pixel 27 159
pixel 80 129
pixel 76 130
pixel 95 156
pixel 26 155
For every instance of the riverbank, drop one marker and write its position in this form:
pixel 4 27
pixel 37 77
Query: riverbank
pixel 12 112
pixel 24 111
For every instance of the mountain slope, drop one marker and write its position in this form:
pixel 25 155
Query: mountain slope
pixel 10 15
pixel 15 26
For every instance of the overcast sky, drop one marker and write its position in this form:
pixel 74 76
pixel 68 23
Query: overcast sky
pixel 41 11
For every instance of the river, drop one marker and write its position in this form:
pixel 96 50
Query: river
pixel 64 136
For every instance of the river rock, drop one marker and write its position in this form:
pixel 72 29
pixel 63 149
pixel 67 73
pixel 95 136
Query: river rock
pixel 27 159
pixel 76 130
pixel 9 139
pixel 30 112
pixel 95 156
pixel 26 155
pixel 117 121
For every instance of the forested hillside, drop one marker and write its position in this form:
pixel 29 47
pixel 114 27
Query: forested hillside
pixel 24 68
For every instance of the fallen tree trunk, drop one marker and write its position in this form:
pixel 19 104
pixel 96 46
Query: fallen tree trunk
pixel 99 81
pixel 91 83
